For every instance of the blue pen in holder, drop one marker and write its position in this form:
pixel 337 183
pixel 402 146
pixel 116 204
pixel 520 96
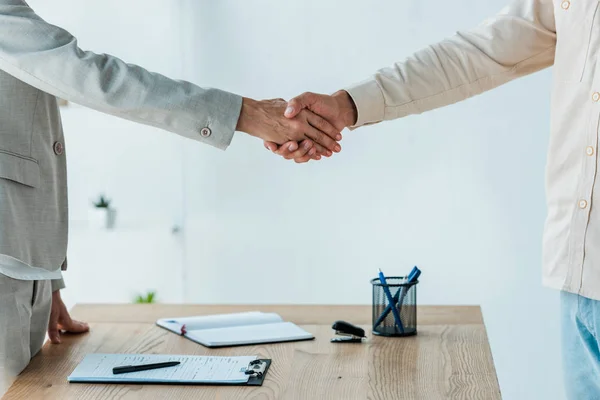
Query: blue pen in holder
pixel 404 297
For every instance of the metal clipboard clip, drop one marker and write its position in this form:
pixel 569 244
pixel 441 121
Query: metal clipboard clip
pixel 349 333
pixel 257 368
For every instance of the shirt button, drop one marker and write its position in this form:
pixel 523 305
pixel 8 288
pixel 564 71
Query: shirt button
pixel 58 148
pixel 596 97
pixel 205 132
pixel 589 151
pixel 565 5
pixel 582 204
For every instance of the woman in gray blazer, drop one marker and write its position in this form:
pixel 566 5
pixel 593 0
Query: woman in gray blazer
pixel 39 62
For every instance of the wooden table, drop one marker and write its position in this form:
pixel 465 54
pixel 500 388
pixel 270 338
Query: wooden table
pixel 449 358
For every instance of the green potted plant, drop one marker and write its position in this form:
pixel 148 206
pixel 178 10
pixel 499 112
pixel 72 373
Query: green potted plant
pixel 148 298
pixel 102 214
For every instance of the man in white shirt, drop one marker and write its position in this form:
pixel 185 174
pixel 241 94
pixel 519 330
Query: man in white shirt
pixel 525 37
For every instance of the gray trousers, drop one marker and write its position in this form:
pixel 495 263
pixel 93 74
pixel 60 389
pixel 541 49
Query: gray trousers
pixel 24 314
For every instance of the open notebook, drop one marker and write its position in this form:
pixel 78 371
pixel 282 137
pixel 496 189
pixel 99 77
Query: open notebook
pixel 235 329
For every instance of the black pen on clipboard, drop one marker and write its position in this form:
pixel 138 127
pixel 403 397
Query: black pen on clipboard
pixel 144 367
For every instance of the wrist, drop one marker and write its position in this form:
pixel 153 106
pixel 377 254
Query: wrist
pixel 246 119
pixel 349 113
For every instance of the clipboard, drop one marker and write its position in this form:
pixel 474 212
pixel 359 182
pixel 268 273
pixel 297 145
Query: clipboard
pixel 235 371
pixel 257 379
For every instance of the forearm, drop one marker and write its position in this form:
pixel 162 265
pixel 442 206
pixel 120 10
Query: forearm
pixel 518 41
pixel 48 58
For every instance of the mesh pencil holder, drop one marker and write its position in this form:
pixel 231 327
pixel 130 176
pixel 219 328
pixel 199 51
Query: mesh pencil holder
pixel 403 320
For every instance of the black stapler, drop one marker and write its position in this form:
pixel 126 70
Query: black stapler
pixel 348 332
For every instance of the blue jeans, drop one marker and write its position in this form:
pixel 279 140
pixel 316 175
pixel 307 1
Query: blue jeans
pixel 580 346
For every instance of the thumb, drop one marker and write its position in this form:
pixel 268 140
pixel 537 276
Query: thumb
pixel 296 105
pixel 53 332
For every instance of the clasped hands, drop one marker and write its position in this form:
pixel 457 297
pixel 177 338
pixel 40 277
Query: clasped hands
pixel 307 127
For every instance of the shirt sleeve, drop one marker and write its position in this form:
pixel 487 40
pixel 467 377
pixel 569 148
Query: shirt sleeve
pixel 49 58
pixel 518 41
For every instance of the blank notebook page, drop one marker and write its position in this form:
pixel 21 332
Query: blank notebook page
pixel 221 321
pixel 278 332
pixel 193 369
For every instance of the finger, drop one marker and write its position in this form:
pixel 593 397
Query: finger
pixel 271 146
pixel 301 153
pixel 317 135
pixel 53 332
pixel 65 323
pixel 76 327
pixel 306 149
pixel 305 159
pixel 287 149
pixel 321 138
pixel 322 151
pixel 296 104
pixel 324 126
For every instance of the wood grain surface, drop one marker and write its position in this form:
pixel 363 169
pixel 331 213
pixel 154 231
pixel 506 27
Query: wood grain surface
pixel 299 314
pixel 449 360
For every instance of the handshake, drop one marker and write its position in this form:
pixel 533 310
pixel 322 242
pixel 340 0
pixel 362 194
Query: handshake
pixel 307 127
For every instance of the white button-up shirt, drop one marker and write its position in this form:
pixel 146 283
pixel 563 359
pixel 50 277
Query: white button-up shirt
pixel 525 37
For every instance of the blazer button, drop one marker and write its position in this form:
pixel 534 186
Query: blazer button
pixel 205 132
pixel 58 148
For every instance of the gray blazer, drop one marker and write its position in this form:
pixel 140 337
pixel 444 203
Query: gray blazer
pixel 39 61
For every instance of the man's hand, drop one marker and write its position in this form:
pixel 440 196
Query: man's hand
pixel 339 109
pixel 299 152
pixel 265 119
pixel 60 320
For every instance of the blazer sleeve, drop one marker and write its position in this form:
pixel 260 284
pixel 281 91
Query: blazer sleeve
pixel 49 58
pixel 57 284
pixel 520 40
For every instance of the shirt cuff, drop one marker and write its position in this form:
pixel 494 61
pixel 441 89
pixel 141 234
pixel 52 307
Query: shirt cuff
pixel 57 284
pixel 369 101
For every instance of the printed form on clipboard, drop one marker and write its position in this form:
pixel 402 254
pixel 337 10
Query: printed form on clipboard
pixel 192 370
pixel 235 329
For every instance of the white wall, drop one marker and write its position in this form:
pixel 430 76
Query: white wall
pixel 458 191
pixel 138 167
